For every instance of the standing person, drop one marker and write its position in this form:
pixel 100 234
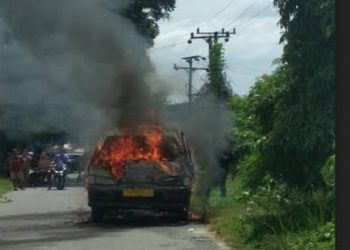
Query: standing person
pixel 26 158
pixel 225 159
pixel 16 170
pixel 44 166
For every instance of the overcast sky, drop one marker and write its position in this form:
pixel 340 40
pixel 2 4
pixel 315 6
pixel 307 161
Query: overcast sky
pixel 248 54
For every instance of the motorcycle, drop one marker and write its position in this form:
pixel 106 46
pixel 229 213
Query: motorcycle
pixel 59 176
pixel 37 177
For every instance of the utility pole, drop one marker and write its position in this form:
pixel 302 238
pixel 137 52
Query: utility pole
pixel 190 69
pixel 211 37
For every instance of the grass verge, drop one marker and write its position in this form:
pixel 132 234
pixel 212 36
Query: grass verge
pixel 272 218
pixel 5 186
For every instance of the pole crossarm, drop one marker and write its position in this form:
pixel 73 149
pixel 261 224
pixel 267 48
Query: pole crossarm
pixel 181 67
pixel 212 36
pixel 190 69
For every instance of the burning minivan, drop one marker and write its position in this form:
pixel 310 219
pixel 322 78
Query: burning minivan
pixel 147 167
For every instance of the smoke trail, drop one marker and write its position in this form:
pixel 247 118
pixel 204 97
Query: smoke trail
pixel 207 124
pixel 79 67
pixel 75 66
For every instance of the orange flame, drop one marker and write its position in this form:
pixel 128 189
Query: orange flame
pixel 126 148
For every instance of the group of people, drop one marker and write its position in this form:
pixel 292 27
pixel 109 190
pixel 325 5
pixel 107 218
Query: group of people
pixel 19 164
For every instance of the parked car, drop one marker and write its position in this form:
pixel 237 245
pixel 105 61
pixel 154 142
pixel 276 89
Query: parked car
pixel 75 161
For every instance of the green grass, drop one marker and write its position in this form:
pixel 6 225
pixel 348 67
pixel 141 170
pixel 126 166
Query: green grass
pixel 268 220
pixel 260 212
pixel 5 186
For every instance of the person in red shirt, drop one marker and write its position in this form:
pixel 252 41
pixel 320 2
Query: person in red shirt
pixel 16 170
pixel 45 167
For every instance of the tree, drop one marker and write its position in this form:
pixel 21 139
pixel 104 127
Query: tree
pixel 293 108
pixel 145 14
pixel 303 131
pixel 217 84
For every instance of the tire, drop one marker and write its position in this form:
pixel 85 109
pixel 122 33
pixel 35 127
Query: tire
pixel 60 184
pixel 180 216
pixel 183 216
pixel 96 215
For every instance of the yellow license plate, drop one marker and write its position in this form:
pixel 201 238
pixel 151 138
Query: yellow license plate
pixel 138 192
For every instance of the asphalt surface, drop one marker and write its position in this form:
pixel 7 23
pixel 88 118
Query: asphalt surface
pixel 39 219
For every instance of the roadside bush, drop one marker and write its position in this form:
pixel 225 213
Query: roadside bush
pixel 328 173
pixel 5 186
pixel 273 216
pixel 250 171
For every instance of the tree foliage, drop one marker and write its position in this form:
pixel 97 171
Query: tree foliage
pixel 303 124
pixel 293 108
pixel 145 14
pixel 216 83
pixel 283 194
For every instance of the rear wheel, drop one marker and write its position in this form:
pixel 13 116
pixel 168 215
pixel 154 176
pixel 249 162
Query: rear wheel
pixel 96 214
pixel 180 215
pixel 60 185
pixel 183 216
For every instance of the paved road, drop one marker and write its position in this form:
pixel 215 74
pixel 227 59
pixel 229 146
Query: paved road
pixel 46 220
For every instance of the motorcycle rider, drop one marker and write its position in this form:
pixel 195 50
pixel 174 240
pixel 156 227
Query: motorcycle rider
pixel 45 166
pixel 60 160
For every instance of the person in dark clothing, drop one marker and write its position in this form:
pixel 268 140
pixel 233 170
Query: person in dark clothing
pixel 226 157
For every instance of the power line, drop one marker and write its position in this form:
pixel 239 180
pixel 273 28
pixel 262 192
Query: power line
pixel 218 13
pixel 174 44
pixel 255 15
pixel 244 11
pixel 168 46
pixel 223 9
